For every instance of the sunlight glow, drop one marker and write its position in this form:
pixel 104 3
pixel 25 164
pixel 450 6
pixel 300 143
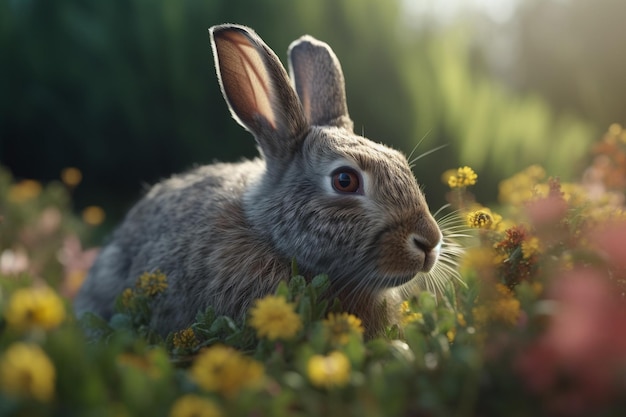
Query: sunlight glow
pixel 445 11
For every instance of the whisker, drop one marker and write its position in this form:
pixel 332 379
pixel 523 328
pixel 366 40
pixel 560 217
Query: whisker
pixel 417 158
pixel 454 231
pixel 360 288
pixel 441 209
pixel 418 144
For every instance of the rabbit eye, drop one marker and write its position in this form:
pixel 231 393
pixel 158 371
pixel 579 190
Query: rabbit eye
pixel 346 180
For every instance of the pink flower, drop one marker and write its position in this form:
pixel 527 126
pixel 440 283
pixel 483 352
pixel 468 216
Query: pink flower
pixel 546 211
pixel 574 365
pixel 13 261
pixel 610 241
pixel 76 263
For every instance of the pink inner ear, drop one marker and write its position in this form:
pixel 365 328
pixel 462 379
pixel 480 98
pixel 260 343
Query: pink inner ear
pixel 245 79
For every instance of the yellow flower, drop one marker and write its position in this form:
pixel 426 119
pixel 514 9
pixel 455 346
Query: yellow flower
pixel 273 317
pixel 615 129
pixel 463 177
pixel 461 319
pixel 483 218
pixel 329 371
pixel 26 371
pixel 73 280
pixel 152 283
pixel 522 187
pixel 225 370
pixel 507 310
pixel 451 334
pixel 24 190
pixel 185 339
pixel 191 405
pixel 503 308
pixel 340 327
pixel 71 176
pixel 477 259
pixel 406 315
pixel 574 194
pixel 481 315
pixel 480 219
pixel 147 364
pixel 530 247
pixel 566 261
pixel 93 215
pixel 35 307
pixel 127 297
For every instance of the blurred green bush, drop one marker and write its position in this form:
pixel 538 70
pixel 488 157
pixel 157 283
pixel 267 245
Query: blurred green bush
pixel 126 91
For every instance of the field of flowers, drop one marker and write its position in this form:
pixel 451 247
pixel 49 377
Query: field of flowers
pixel 537 327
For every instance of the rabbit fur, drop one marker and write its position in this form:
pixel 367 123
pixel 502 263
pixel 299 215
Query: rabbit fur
pixel 226 234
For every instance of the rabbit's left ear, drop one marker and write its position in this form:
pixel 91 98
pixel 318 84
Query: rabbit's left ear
pixel 319 82
pixel 258 90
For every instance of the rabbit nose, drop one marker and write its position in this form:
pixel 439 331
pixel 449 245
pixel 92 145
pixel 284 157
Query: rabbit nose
pixel 429 248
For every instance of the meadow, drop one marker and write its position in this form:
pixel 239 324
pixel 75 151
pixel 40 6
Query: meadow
pixel 534 325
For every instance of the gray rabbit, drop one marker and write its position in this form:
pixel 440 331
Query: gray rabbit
pixel 225 234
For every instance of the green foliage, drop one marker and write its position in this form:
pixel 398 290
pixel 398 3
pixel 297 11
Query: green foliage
pixel 125 90
pixel 571 52
pixel 486 125
pixel 481 348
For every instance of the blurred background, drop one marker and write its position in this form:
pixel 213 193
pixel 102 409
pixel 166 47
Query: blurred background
pixel 125 90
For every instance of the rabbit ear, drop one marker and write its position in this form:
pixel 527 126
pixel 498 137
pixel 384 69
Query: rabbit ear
pixel 319 81
pixel 257 89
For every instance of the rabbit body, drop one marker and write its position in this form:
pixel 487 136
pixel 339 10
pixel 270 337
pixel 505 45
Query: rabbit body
pixel 193 228
pixel 225 234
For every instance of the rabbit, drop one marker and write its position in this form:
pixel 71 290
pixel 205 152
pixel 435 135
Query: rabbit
pixel 225 234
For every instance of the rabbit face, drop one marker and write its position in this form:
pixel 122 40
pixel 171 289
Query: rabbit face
pixel 380 233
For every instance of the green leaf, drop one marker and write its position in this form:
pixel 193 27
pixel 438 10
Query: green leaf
pixel 94 326
pixel 393 332
pixel 427 302
pixel 319 309
pixel 294 268
pixel 320 283
pixel 355 351
pixel 297 286
pixel 430 324
pixel 283 290
pixel 224 324
pixel 417 343
pixel 121 322
pixel 305 309
pixel 206 316
pixel 446 319
pixel 377 348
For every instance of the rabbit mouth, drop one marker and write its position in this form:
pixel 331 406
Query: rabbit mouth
pixel 431 256
pixel 401 259
pixel 414 269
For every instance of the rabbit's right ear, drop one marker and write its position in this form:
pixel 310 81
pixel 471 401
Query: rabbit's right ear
pixel 257 90
pixel 319 82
